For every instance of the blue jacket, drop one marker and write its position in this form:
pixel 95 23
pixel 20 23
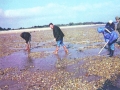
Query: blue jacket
pixel 110 36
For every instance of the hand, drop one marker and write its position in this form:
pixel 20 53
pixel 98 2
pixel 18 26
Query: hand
pixel 54 39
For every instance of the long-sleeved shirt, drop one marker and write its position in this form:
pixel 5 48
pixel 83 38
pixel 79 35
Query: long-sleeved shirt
pixel 118 27
pixel 58 34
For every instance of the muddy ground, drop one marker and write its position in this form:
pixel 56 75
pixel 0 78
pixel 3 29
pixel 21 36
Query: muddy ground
pixel 80 69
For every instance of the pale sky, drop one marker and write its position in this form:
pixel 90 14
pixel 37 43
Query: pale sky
pixel 28 13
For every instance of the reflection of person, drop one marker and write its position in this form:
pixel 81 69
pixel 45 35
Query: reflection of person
pixel 111 37
pixel 61 62
pixel 58 35
pixel 118 23
pixel 27 37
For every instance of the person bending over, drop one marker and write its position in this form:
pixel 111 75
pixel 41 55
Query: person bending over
pixel 111 37
pixel 27 37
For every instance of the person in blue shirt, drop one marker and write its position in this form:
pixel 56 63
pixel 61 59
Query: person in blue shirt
pixel 111 37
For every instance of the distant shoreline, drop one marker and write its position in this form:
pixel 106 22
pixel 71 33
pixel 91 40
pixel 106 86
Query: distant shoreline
pixel 46 28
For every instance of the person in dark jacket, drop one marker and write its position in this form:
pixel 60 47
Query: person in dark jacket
pixel 58 35
pixel 111 37
pixel 118 23
pixel 111 27
pixel 27 37
pixel 118 27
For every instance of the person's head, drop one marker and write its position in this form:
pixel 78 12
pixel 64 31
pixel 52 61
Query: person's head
pixel 100 29
pixel 110 22
pixel 51 25
pixel 117 18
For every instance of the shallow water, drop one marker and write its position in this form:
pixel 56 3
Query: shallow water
pixel 51 62
pixel 21 59
pixel 41 61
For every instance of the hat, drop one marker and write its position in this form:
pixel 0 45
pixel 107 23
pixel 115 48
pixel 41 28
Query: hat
pixel 110 21
pixel 100 29
pixel 117 18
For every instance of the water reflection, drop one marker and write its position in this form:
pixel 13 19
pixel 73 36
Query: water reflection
pixel 61 62
pixel 30 60
pixel 28 63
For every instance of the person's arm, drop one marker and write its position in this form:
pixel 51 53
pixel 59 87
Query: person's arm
pixel 111 36
pixel 113 25
pixel 56 32
pixel 118 27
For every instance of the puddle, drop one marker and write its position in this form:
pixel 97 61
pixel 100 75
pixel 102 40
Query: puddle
pixel 21 60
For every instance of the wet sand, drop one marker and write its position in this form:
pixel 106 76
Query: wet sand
pixel 80 69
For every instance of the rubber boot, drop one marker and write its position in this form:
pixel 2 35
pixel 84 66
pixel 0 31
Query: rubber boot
pixel 111 54
pixel 65 49
pixel 109 48
pixel 56 51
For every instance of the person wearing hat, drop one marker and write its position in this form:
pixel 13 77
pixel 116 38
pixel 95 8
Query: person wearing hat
pixel 58 35
pixel 110 36
pixel 111 26
pixel 27 37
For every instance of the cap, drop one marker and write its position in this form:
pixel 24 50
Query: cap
pixel 110 21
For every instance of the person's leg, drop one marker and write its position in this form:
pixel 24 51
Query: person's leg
pixel 57 47
pixel 27 45
pixel 107 46
pixel 28 39
pixel 65 48
pixel 29 42
pixel 109 50
pixel 112 48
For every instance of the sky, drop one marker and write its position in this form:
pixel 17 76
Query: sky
pixel 28 13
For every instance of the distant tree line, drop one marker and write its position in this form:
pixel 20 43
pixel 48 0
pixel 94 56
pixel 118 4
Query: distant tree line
pixel 2 29
pixel 70 24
